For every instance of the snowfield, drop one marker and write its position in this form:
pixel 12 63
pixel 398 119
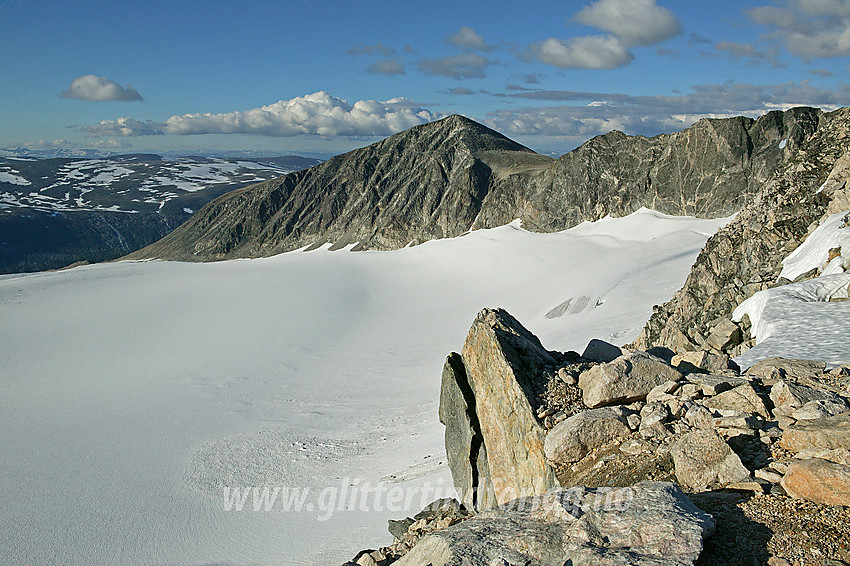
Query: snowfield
pixel 134 395
pixel 810 319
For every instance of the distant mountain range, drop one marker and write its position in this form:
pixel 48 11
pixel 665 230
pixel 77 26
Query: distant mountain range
pixel 55 212
pixel 447 177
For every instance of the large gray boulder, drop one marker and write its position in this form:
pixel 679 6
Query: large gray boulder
pixel 649 524
pixel 702 459
pixel 571 440
pixel 504 364
pixel 628 378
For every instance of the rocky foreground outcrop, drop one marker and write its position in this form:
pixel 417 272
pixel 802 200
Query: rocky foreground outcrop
pixel 445 178
pixel 761 450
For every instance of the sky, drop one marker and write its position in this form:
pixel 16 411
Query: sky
pixel 319 77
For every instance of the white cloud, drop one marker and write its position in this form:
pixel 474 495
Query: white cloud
pixel 809 29
pixel 629 23
pixel 99 89
pixel 632 22
pixel 125 127
pixel 317 114
pixel 468 38
pixel 585 52
pixel 387 67
pixel 468 66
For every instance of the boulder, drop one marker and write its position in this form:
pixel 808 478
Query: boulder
pixel 818 480
pixel 504 364
pixel 702 459
pixel 628 378
pixel 828 434
pixel 699 417
pixel 601 351
pixel 573 438
pixel 742 399
pixel 791 395
pixel 576 526
pixel 725 335
pixel 715 384
pixel 789 370
pixel 819 409
pixel 702 361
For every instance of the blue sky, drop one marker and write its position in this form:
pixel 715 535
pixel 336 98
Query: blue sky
pixel 316 76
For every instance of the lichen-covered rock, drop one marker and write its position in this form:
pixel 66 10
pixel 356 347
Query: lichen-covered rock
pixel 650 524
pixel 828 433
pixel 504 364
pixel 628 378
pixel 702 459
pixel 570 440
pixel 818 480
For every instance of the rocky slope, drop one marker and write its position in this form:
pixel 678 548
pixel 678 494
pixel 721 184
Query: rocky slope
pixel 745 257
pixel 444 178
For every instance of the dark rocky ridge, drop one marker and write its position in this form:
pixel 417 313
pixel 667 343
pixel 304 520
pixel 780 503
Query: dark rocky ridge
pixel 442 179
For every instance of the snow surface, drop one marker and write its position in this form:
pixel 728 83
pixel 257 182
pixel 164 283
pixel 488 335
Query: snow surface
pixel 799 321
pixel 133 392
pixel 13 177
pixel 803 320
pixel 814 251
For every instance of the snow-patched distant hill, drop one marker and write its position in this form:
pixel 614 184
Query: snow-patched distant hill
pixel 133 394
pixel 54 212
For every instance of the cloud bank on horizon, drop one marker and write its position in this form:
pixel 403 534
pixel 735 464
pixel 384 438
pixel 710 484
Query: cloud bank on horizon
pixel 550 76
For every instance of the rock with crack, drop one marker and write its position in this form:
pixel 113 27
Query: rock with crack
pixel 572 439
pixel 626 379
pixel 465 450
pixel 651 524
pixel 702 459
pixel 504 365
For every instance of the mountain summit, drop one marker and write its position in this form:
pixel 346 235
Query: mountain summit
pixel 447 177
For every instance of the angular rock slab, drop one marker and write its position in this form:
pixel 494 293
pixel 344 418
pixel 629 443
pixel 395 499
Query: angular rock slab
pixel 818 480
pixel 572 439
pixel 791 370
pixel 701 459
pixel 742 399
pixel 502 361
pixel 826 434
pixel 649 524
pixel 465 450
pixel 628 378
